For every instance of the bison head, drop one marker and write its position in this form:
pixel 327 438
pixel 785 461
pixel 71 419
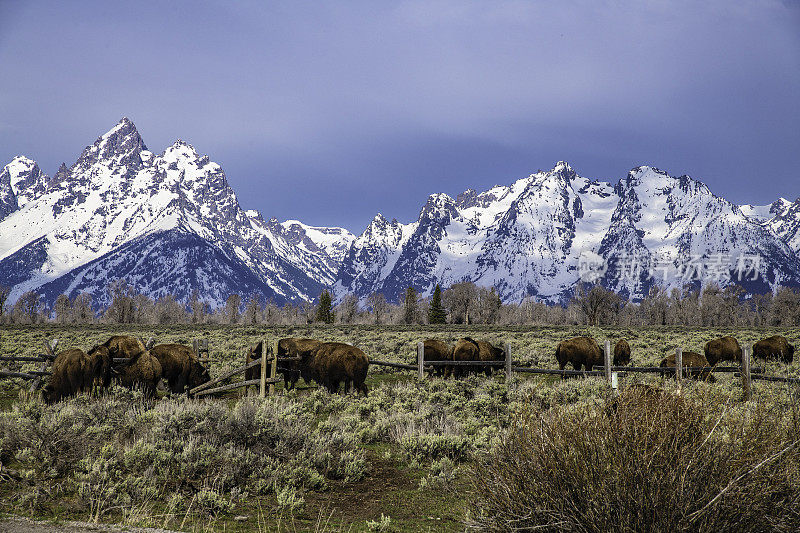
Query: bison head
pixel 198 375
pixel 789 357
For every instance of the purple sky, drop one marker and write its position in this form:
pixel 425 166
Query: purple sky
pixel 331 112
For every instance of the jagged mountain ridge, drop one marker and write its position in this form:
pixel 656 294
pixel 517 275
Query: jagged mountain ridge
pixel 171 223
pixel 78 231
pixel 530 238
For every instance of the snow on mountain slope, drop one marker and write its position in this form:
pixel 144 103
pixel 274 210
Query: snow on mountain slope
pixel 528 239
pixel 782 217
pixel 118 192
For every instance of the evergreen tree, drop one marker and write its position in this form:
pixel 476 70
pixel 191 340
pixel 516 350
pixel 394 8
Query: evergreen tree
pixel 410 306
pixel 325 308
pixel 436 313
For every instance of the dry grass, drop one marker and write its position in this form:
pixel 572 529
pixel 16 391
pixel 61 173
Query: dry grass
pixel 649 461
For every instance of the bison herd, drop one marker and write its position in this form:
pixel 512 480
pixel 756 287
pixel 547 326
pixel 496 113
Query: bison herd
pixel 332 364
pixel 329 364
pixel 76 371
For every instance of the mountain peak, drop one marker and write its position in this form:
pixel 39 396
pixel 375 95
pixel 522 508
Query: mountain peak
pixel 121 145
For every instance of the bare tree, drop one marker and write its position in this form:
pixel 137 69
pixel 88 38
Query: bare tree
pixel 377 302
pixel 347 310
pixel 487 306
pixel 62 309
pixel 598 305
pixel 252 309
pixel 459 300
pixel 5 292
pixel 82 308
pixel 28 306
pixel 198 308
pixel 122 307
pixel 167 310
pixel 232 308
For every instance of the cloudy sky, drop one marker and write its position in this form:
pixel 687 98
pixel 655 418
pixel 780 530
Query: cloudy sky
pixel 331 112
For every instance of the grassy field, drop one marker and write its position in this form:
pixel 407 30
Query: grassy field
pixel 403 459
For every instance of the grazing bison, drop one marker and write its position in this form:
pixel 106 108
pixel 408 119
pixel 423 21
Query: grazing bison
pixel 253 354
pixel 466 349
pixel 180 367
pixel 141 370
pixel 488 352
pixel 100 358
pixel 436 350
pixel 293 347
pixel 690 359
pixel 622 353
pixel 332 363
pixel 723 349
pixel 775 347
pixel 73 372
pixel 580 352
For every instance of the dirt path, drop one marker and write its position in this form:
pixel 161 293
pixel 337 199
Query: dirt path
pixel 25 525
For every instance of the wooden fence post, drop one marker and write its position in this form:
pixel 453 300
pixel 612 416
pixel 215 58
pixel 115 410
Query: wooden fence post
pixel 679 367
pixel 262 389
pixel 50 353
pixel 607 360
pixel 746 379
pixel 273 367
pixel 421 360
pixel 508 361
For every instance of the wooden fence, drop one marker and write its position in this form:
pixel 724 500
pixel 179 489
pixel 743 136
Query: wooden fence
pixel 268 363
pixel 610 372
pixel 35 376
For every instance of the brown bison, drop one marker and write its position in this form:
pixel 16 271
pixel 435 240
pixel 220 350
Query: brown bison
pixel 690 359
pixel 580 352
pixel 488 352
pixel 775 347
pixel 141 370
pixel 101 359
pixel 180 367
pixel 73 371
pixel 436 350
pixel 253 354
pixel 293 347
pixel 332 363
pixel 466 349
pixel 622 353
pixel 723 349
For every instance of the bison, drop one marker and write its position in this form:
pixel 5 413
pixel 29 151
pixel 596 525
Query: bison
pixel 73 371
pixel 622 353
pixel 141 370
pixel 488 352
pixel 100 357
pixel 690 359
pixel 580 352
pixel 293 347
pixel 723 349
pixel 332 363
pixel 180 367
pixel 466 349
pixel 775 347
pixel 436 350
pixel 253 354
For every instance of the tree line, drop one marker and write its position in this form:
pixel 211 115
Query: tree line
pixel 461 303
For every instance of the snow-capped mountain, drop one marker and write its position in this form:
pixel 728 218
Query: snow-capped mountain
pixel 171 223
pixel 533 237
pixel 782 217
pixel 167 223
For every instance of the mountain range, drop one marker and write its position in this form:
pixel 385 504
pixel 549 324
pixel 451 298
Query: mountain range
pixel 170 223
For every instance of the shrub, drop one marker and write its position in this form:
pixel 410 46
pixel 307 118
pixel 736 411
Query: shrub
pixel 649 461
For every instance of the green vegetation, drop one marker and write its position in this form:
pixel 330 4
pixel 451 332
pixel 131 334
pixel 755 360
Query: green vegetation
pixel 411 456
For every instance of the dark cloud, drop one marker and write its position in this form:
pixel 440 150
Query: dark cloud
pixel 329 112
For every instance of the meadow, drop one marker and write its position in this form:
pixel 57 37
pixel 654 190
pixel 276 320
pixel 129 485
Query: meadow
pixel 431 455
